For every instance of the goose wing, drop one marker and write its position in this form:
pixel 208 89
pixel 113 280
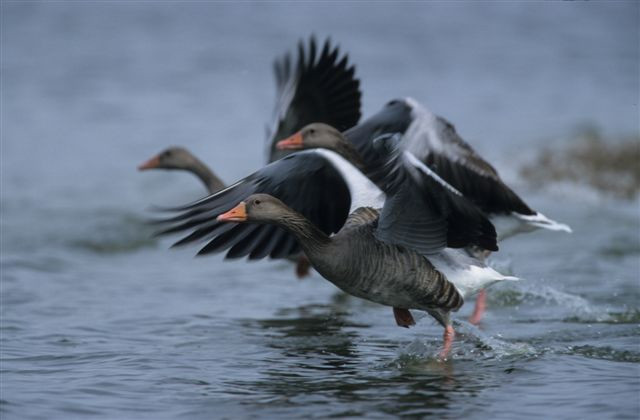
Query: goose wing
pixel 422 211
pixel 305 181
pixel 320 87
pixel 435 142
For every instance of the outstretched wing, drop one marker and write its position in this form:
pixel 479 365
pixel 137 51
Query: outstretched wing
pixel 306 181
pixel 422 211
pixel 435 142
pixel 319 87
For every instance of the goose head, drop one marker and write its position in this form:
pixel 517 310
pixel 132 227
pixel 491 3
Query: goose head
pixel 171 158
pixel 312 136
pixel 259 208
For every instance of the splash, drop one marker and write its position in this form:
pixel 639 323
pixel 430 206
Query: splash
pixel 470 344
pixel 549 296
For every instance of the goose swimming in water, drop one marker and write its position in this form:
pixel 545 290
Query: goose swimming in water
pixel 319 86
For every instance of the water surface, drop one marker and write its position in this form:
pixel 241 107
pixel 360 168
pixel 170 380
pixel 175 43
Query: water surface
pixel 98 319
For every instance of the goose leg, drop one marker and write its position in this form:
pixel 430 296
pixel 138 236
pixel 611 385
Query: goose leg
pixel 403 317
pixel 303 266
pixel 478 310
pixel 448 337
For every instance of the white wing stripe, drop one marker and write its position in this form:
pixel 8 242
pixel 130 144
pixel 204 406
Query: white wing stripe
pixel 364 193
pixel 424 168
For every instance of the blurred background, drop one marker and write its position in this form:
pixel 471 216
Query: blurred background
pixel 99 318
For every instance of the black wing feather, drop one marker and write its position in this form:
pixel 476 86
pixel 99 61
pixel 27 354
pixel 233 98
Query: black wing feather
pixel 488 192
pixel 246 245
pixel 203 233
pixel 322 88
pixel 228 239
pixel 306 181
pixel 264 247
pixel 422 211
pixel 442 149
pixel 393 118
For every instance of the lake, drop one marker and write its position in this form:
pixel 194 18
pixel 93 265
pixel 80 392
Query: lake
pixel 99 319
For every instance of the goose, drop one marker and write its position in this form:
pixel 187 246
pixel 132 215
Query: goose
pixel 433 144
pixel 420 214
pixel 360 264
pixel 320 86
pixel 323 136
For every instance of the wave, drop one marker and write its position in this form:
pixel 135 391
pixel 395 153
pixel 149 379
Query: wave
pixel 630 316
pixel 115 233
pixel 98 231
pixel 603 353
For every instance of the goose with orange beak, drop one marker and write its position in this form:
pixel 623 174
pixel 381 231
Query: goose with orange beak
pixel 319 82
pixel 379 270
pixel 310 187
pixel 431 144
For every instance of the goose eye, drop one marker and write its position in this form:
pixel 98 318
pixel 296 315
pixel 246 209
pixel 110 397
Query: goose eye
pixel 257 202
pixel 312 131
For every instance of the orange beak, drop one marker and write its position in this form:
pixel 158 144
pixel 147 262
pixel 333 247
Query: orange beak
pixel 293 142
pixel 154 162
pixel 236 214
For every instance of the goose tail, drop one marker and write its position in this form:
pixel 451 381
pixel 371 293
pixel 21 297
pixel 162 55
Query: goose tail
pixel 541 221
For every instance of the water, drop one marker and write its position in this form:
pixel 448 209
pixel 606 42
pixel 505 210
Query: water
pixel 100 320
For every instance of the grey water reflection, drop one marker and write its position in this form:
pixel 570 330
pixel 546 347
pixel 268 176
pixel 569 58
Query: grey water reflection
pixel 320 356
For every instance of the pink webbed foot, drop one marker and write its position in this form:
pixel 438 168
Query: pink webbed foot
pixel 403 317
pixel 303 267
pixel 481 306
pixel 448 337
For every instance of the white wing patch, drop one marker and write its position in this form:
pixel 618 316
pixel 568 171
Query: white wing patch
pixel 424 168
pixel 421 136
pixel 364 193
pixel 541 221
pixel 515 223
